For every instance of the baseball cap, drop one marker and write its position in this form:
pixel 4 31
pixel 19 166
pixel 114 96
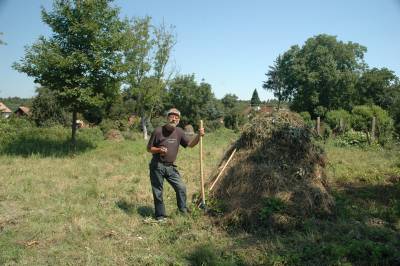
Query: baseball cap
pixel 174 111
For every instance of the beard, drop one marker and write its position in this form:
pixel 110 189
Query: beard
pixel 170 126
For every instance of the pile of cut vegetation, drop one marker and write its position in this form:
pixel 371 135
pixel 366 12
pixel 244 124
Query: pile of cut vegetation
pixel 276 177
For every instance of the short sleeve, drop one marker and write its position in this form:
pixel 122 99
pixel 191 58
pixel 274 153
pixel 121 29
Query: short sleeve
pixel 184 139
pixel 151 140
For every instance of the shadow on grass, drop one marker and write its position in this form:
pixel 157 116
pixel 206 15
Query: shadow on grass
pixel 33 145
pixel 145 211
pixel 210 255
pixel 365 230
pixel 130 208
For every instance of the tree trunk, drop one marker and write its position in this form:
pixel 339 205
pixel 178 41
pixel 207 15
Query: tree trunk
pixel 73 127
pixel 143 121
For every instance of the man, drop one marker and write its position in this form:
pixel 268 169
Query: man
pixel 164 145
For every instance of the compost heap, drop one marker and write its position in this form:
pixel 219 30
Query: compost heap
pixel 276 178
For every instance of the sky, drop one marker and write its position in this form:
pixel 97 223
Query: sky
pixel 229 44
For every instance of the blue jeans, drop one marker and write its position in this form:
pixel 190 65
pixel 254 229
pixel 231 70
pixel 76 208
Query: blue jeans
pixel 159 171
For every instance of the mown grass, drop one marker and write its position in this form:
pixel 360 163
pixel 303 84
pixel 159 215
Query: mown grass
pixel 92 208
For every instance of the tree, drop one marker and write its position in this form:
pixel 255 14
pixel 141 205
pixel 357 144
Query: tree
pixel 147 57
pixel 229 101
pixel 232 111
pixel 82 62
pixel 195 101
pixel 255 100
pixel 279 75
pixel 46 110
pixel 378 86
pixel 319 76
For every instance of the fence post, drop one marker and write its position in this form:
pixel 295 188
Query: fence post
pixel 341 126
pixel 318 125
pixel 373 128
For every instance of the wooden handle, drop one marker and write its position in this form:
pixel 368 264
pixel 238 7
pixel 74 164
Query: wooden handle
pixel 203 197
pixel 220 173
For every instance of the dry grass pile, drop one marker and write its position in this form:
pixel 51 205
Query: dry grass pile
pixel 276 177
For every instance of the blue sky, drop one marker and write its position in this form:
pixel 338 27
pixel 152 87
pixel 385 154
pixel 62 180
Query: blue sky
pixel 228 43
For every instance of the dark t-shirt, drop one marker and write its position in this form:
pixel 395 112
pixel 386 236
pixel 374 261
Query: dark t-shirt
pixel 161 137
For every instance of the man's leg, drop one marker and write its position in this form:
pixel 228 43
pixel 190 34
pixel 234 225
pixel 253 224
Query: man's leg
pixel 156 178
pixel 174 178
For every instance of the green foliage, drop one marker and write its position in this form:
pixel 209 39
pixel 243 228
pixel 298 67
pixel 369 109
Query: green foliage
pixel 82 60
pixel 332 118
pixel 147 55
pixel 107 124
pixel 320 74
pixel 195 101
pixel 352 138
pixel 271 206
pixel 362 121
pixel 378 86
pixel 47 111
pixel 307 119
pixel 229 101
pixel 234 117
pixel 394 111
pixel 278 76
pixel 21 137
pixel 326 131
pixel 255 100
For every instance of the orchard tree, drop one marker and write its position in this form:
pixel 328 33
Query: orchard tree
pixel 82 61
pixel 147 56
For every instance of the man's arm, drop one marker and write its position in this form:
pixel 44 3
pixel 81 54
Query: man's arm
pixel 196 139
pixel 160 150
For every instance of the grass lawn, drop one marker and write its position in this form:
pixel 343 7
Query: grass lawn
pixel 93 208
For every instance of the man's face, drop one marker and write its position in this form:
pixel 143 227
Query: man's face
pixel 173 120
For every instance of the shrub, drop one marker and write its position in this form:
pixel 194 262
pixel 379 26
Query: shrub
pixel 333 119
pixel 352 138
pixel 362 121
pixel 213 125
pixel 108 124
pixel 307 119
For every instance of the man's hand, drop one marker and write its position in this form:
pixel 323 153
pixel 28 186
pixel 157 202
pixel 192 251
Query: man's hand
pixel 197 138
pixel 201 132
pixel 163 151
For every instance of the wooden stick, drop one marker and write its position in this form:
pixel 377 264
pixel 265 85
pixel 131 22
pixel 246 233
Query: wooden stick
pixel 220 173
pixel 203 197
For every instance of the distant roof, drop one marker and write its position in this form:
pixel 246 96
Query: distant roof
pixel 24 109
pixel 4 108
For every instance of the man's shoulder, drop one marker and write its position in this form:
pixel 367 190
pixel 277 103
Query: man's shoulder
pixel 158 129
pixel 180 130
